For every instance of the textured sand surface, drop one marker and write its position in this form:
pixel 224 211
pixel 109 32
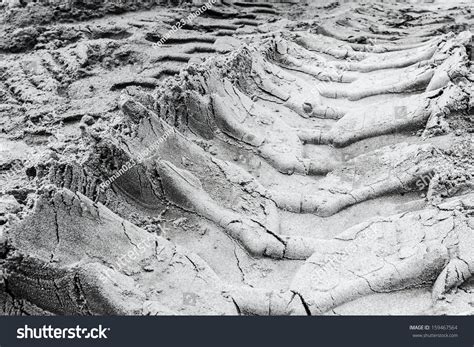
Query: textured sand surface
pixel 245 158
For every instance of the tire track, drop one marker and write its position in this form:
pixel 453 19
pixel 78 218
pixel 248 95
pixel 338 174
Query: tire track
pixel 337 149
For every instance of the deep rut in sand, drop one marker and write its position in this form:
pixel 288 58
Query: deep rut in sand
pixel 266 158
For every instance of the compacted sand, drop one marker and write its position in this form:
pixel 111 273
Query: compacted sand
pixel 268 158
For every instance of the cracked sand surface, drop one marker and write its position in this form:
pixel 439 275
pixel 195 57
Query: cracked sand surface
pixel 294 159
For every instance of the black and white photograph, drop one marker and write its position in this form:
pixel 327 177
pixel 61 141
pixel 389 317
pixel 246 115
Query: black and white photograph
pixel 209 158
